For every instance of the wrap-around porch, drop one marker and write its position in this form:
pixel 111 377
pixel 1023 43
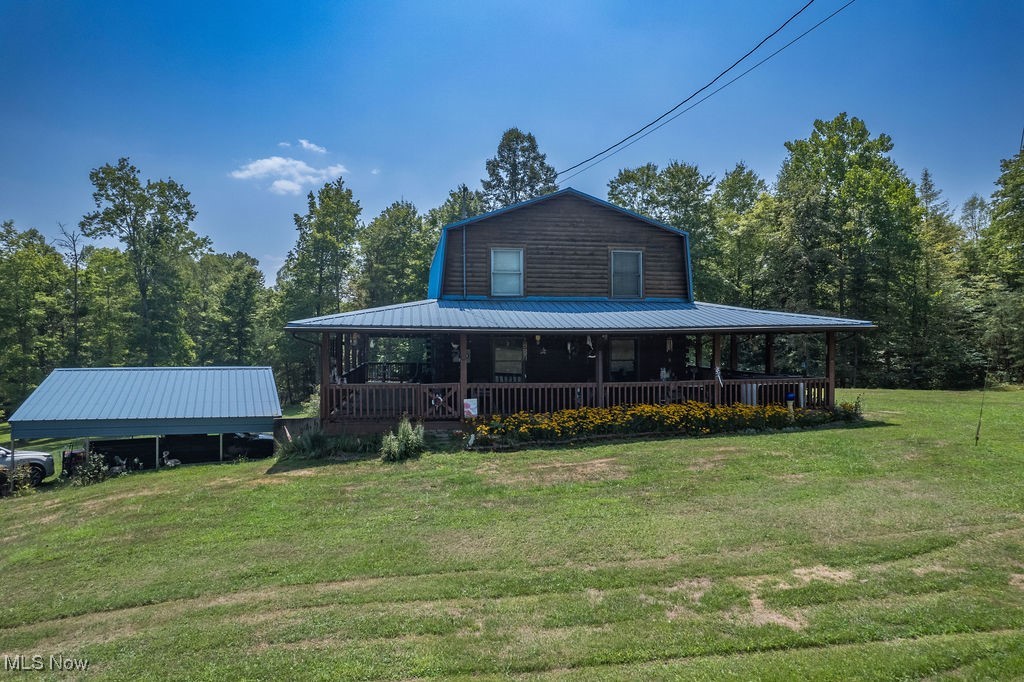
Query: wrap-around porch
pixel 437 377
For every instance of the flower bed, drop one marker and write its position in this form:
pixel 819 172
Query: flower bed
pixel 689 418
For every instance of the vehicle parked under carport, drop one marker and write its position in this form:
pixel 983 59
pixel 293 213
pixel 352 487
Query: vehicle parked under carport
pixel 40 463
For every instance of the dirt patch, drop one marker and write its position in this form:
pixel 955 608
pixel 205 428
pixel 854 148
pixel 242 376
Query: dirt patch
pixel 762 615
pixel 1017 580
pixel 678 612
pixel 299 472
pixel 707 463
pixel 93 505
pixel 694 589
pixel 551 473
pixel 266 480
pixel 759 613
pixel 595 597
pixel 830 575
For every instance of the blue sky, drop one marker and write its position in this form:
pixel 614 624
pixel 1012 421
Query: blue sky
pixel 408 99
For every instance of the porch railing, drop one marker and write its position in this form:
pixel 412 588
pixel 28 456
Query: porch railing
pixel 502 398
pixel 390 400
pixel 443 401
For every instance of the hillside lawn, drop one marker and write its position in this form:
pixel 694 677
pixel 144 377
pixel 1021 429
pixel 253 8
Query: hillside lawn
pixel 889 550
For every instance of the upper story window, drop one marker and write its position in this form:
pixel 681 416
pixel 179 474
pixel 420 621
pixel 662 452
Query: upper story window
pixel 627 274
pixel 506 272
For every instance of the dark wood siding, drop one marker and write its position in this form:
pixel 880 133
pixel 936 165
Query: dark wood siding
pixel 566 242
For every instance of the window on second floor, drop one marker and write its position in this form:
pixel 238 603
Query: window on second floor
pixel 506 272
pixel 627 274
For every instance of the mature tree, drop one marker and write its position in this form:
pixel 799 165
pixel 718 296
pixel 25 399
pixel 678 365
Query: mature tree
pixel 639 190
pixel 461 203
pixel 1003 241
pixel 518 171
pixel 679 195
pixel 740 238
pixel 316 279
pixel 396 250
pixel 319 269
pixel 974 216
pixel 848 244
pixel 239 304
pixel 32 278
pixel 109 305
pixel 71 243
pixel 152 221
pixel 1001 273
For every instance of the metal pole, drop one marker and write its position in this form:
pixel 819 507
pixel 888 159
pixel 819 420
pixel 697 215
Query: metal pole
pixel 222 447
pixel 10 469
pixel 157 452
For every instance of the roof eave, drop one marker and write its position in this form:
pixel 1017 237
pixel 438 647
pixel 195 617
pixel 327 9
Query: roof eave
pixel 762 329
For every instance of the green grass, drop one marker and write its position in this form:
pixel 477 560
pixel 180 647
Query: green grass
pixel 890 550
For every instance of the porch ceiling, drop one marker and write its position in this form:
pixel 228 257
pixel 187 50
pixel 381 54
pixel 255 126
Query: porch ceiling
pixel 571 316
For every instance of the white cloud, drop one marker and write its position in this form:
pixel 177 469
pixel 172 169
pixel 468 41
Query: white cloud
pixel 285 187
pixel 310 147
pixel 284 144
pixel 375 171
pixel 289 175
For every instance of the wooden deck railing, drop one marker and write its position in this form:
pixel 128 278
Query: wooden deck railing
pixel 502 398
pixel 386 401
pixel 443 402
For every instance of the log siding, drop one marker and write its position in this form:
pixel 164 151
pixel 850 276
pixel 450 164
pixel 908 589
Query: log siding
pixel 566 244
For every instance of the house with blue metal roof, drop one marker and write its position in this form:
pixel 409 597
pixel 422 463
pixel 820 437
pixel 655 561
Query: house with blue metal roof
pixel 562 301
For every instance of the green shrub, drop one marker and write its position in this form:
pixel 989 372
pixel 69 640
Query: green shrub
pixel 93 470
pixel 848 412
pixel 406 444
pixel 318 445
pixel 22 481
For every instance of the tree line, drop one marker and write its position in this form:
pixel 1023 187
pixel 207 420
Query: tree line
pixel 841 230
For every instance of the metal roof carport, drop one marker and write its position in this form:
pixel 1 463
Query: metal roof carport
pixel 138 401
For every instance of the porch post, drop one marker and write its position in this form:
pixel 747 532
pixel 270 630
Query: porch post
pixel 769 354
pixel 325 375
pixel 599 376
pixel 716 363
pixel 830 368
pixel 734 352
pixel 698 351
pixel 463 374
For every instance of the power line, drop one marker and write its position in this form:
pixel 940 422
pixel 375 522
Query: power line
pixel 705 98
pixel 694 93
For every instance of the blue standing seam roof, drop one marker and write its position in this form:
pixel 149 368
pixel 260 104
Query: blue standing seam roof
pixel 570 315
pixel 149 400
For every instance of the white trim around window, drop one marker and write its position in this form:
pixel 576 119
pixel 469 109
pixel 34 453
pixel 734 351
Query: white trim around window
pixel 506 272
pixel 627 273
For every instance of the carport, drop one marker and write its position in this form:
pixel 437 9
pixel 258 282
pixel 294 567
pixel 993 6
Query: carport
pixel 149 401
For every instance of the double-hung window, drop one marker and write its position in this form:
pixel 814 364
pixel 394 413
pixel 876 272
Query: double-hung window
pixel 506 272
pixel 627 274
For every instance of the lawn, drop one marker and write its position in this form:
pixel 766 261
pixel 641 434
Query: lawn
pixel 889 550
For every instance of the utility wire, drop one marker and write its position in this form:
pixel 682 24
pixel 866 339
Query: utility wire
pixel 693 94
pixel 702 99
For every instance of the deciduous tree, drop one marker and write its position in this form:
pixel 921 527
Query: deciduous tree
pixel 519 171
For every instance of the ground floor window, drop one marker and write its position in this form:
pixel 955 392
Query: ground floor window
pixel 622 361
pixel 509 360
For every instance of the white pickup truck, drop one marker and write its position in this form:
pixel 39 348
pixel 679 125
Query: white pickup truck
pixel 40 463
